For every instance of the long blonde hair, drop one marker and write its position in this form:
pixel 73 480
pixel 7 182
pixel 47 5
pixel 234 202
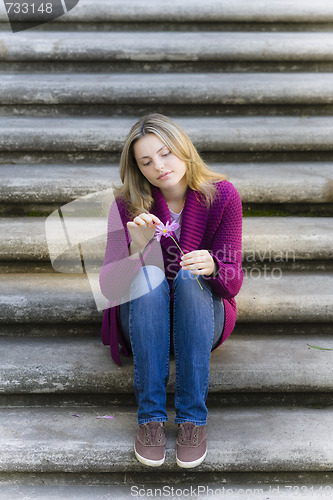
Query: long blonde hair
pixel 136 189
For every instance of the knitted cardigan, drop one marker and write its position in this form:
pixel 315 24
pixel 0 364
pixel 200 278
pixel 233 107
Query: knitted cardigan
pixel 217 229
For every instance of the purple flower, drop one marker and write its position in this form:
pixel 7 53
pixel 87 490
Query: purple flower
pixel 165 230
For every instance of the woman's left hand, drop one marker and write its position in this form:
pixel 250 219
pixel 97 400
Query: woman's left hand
pixel 198 262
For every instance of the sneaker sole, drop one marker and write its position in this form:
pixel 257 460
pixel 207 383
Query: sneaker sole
pixel 146 461
pixel 195 463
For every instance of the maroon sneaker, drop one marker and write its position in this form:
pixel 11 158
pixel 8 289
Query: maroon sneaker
pixel 191 445
pixel 149 446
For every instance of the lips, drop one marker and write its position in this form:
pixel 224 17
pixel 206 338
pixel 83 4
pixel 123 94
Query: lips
pixel 164 175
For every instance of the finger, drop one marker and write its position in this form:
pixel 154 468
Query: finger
pixel 196 265
pixel 195 253
pixel 138 221
pixel 155 219
pixel 189 255
pixel 200 271
pixel 149 219
pixel 193 260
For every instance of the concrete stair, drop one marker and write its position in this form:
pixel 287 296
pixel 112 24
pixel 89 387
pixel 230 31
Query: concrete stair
pixel 296 186
pixel 251 83
pixel 293 239
pixel 233 134
pixel 252 439
pixel 201 89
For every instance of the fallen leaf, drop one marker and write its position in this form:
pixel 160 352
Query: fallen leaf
pixel 321 348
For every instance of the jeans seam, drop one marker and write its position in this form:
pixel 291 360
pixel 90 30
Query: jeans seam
pixel 177 389
pixel 136 377
pixel 206 386
pixel 138 382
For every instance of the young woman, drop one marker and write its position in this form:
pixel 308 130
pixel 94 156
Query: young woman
pixel 165 299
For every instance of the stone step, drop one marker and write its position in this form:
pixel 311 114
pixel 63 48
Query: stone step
pixel 205 485
pixel 67 366
pixel 194 11
pixel 173 89
pixel 289 182
pixel 239 440
pixel 268 296
pixel 153 47
pixel 113 486
pixel 214 134
pixel 273 240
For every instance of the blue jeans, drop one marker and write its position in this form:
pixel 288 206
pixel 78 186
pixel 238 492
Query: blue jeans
pixel 190 326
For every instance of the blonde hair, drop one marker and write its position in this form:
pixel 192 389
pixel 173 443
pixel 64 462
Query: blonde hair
pixel 136 189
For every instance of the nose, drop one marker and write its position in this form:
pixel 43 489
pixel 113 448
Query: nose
pixel 159 164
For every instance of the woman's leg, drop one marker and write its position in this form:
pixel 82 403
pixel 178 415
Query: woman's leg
pixel 198 322
pixel 146 319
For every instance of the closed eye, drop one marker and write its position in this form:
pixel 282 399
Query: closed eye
pixel 146 164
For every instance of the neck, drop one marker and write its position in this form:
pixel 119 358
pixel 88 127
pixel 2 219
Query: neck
pixel 176 194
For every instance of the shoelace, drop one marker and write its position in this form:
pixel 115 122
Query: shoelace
pixel 189 432
pixel 153 433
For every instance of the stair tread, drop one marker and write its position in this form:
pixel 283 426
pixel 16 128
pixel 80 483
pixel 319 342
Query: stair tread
pixel 255 182
pixel 160 46
pixel 196 11
pixel 253 485
pixel 24 238
pixel 209 88
pixel 67 365
pixel 264 297
pixel 208 134
pixel 265 439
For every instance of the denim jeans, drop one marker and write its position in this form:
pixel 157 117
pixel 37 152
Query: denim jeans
pixel 154 326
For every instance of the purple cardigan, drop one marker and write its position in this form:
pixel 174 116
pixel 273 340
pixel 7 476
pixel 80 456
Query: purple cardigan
pixel 217 229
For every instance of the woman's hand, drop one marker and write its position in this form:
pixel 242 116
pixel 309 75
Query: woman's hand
pixel 142 229
pixel 198 262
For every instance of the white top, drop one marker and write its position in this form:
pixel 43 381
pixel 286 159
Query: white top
pixel 177 218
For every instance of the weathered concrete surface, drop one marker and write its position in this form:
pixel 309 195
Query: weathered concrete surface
pixel 257 439
pixel 275 296
pixel 46 298
pixel 287 182
pixel 163 46
pixel 264 238
pixel 298 182
pixel 173 88
pixel 196 11
pixel 267 295
pixel 198 486
pixel 244 363
pixel 314 133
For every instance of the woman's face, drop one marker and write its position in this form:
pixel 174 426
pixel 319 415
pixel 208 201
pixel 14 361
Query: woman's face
pixel 158 164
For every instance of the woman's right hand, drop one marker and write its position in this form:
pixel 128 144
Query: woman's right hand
pixel 142 229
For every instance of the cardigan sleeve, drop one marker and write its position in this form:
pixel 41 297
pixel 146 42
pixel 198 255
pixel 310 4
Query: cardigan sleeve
pixel 118 270
pixel 227 249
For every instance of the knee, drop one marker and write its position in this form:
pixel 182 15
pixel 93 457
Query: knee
pixel 149 278
pixel 184 277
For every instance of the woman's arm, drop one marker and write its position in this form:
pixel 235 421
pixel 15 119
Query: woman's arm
pixel 227 249
pixel 123 259
pixel 118 267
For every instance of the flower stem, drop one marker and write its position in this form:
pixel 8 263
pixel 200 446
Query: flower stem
pixel 184 254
